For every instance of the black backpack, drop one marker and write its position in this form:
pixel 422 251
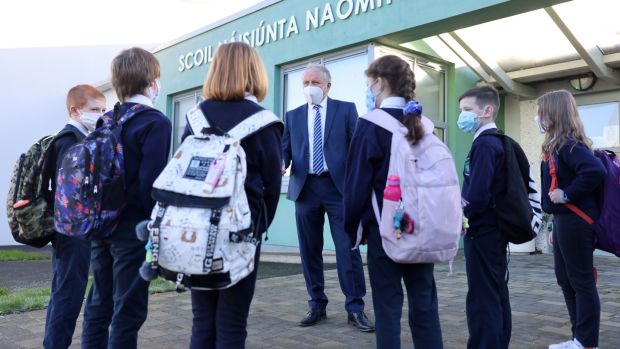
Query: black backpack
pixel 518 209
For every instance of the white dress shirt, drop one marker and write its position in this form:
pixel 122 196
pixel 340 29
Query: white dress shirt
pixel 311 113
pixel 393 103
pixel 141 99
pixel 484 128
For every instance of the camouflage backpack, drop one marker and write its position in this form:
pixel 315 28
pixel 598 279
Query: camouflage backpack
pixel 29 202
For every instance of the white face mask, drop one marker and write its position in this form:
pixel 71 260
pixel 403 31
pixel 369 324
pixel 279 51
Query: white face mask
pixel 541 129
pixel 313 94
pixel 89 120
pixel 155 94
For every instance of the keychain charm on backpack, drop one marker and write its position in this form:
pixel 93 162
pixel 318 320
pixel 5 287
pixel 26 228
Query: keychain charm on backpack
pixel 214 173
pixel 398 218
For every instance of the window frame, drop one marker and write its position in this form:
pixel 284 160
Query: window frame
pixel 196 94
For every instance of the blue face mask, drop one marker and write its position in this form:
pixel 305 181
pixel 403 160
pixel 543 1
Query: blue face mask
pixel 371 97
pixel 468 122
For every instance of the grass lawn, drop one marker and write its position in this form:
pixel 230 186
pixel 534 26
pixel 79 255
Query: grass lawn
pixel 17 255
pixel 37 298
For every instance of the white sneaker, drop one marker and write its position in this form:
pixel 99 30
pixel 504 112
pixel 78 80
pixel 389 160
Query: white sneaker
pixel 567 345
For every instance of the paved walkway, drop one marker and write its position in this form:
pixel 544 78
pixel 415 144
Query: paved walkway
pixel 539 314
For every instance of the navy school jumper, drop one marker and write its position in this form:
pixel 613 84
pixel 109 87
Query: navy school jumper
pixel 489 316
pixel 366 174
pixel 220 317
pixel 117 303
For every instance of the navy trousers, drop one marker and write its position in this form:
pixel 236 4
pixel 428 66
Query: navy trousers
pixel 221 317
pixel 117 303
pixel 489 317
pixel 573 247
pixel 320 196
pixel 386 279
pixel 70 265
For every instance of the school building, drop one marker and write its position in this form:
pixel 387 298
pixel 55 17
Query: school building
pixel 523 47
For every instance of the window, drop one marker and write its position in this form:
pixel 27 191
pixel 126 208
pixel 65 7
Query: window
pixel 600 114
pixel 181 104
pixel 601 123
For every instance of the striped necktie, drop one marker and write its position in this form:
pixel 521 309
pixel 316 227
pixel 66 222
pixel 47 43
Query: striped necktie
pixel 317 156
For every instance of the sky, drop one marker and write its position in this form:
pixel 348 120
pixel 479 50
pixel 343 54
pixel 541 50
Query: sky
pixel 61 23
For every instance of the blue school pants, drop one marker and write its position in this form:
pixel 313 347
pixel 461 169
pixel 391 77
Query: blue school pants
pixel 489 317
pixel 387 298
pixel 221 317
pixel 70 264
pixel 117 303
pixel 573 248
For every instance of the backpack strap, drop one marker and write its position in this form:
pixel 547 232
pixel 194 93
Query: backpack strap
pixel 252 124
pixel 197 120
pixel 110 119
pixel 386 121
pixel 554 185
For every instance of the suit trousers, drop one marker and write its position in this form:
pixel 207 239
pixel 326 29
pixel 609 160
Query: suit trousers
pixel 318 197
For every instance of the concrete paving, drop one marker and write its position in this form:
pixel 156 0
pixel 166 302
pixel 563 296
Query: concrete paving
pixel 539 313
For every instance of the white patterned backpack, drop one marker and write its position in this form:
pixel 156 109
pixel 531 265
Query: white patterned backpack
pixel 201 232
pixel 430 196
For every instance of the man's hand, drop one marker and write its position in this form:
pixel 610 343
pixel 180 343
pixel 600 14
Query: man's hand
pixel 283 168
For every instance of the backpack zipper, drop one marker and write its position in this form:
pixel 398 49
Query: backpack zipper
pixel 86 173
pixel 22 158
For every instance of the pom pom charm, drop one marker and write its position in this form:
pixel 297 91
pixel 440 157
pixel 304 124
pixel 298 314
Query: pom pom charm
pixel 413 108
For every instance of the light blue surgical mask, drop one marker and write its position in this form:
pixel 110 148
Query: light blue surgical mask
pixel 468 121
pixel 371 96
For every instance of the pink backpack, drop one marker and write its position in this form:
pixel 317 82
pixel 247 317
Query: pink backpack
pixel 430 196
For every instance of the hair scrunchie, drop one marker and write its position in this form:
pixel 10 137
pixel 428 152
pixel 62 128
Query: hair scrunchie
pixel 413 108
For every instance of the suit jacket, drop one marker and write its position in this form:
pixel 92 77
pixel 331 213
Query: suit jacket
pixel 339 126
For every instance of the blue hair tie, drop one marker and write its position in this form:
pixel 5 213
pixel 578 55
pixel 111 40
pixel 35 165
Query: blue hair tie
pixel 413 108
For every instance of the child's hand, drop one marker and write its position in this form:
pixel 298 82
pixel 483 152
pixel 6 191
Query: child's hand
pixel 557 196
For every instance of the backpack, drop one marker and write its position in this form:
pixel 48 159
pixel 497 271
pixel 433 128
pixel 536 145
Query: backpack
pixel 430 196
pixel 90 194
pixel 518 208
pixel 29 202
pixel 607 226
pixel 201 230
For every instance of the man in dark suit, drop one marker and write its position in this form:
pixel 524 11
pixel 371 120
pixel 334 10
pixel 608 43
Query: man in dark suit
pixel 316 140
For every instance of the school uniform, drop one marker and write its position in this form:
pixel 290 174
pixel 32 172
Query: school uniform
pixel 116 306
pixel 70 261
pixel 220 317
pixel 365 175
pixel 489 317
pixel 579 175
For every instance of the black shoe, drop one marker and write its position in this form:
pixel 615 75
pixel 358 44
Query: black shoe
pixel 360 321
pixel 313 317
